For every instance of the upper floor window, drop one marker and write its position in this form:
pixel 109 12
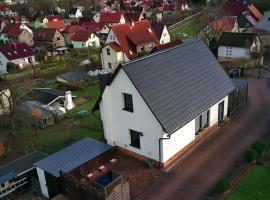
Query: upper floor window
pixel 110 65
pixel 108 51
pixel 128 102
pixel 58 38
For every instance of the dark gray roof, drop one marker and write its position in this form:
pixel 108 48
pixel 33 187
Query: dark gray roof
pixel 72 77
pixel 264 23
pixel 45 95
pixel 7 177
pixel 22 164
pixel 180 83
pixel 73 156
pixel 238 83
pixel 236 39
pixel 73 11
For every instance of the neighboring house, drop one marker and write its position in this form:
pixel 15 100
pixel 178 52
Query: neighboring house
pixel 102 29
pixel 85 39
pixel 5 101
pixel 237 46
pixel 76 78
pixel 5 10
pixel 17 33
pixel 41 21
pixel 49 38
pixel 126 42
pixel 75 13
pixel 158 105
pixel 69 31
pixel 225 24
pixel 19 175
pixel 87 162
pixel 59 25
pixel 18 53
pixel 264 24
pixel 110 18
pixel 164 11
pixel 161 32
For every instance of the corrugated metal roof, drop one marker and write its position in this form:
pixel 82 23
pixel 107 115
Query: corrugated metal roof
pixel 22 164
pixel 73 156
pixel 180 83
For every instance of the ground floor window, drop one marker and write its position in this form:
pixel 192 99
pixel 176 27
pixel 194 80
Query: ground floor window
pixel 202 122
pixel 135 139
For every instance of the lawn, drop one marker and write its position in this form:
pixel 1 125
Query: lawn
pixel 191 28
pixel 255 186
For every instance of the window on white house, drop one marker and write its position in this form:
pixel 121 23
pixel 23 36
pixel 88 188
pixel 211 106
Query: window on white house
pixel 110 65
pixel 128 102
pixel 82 43
pixel 58 38
pixel 108 51
pixel 135 139
pixel 164 34
pixel 201 122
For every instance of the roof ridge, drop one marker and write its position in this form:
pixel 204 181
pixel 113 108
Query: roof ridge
pixel 162 51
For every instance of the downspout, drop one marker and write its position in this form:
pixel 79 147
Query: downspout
pixel 159 140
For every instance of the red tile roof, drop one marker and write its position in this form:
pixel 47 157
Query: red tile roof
pixel 129 36
pixel 72 29
pixel 225 24
pixel 44 34
pixel 234 8
pixel 16 51
pixel 107 17
pixel 54 18
pixel 93 26
pixel 60 25
pixel 115 46
pixel 81 35
pixel 12 30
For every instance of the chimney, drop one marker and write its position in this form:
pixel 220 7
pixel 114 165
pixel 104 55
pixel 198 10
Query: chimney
pixel 68 101
pixel 132 23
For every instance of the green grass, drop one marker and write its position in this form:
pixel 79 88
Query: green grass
pixel 256 186
pixel 192 28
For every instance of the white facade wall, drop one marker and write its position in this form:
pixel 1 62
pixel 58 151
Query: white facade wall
pixel 42 182
pixel 237 52
pixel 89 43
pixel 115 58
pixel 111 38
pixel 117 122
pixel 165 37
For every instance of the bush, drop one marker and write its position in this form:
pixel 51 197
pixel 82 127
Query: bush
pixel 11 67
pixel 223 185
pixel 250 155
pixel 259 147
pixel 150 163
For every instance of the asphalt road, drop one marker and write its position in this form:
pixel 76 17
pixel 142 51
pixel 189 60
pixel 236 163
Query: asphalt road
pixel 195 176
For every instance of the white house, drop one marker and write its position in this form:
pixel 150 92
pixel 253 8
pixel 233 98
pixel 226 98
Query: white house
pixel 126 42
pixel 157 105
pixel 75 13
pixel 20 54
pixel 162 32
pixel 84 39
pixel 237 46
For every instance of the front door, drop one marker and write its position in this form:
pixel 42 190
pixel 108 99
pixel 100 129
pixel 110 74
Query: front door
pixel 220 112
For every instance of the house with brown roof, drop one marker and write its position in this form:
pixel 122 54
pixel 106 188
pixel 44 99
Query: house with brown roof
pixel 161 32
pixel 60 25
pixel 102 29
pixel 49 37
pixel 225 24
pixel 17 32
pixel 126 42
pixel 85 39
pixel 18 53
pixel 69 31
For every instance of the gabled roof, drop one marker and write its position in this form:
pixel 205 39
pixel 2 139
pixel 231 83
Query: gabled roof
pixel 179 84
pixel 158 29
pixel 131 35
pixel 236 39
pixel 12 30
pixel 45 95
pixel 169 45
pixel 72 29
pixel 73 156
pixel 81 35
pixel 225 24
pixel 73 11
pixel 234 8
pixel 60 25
pixel 44 34
pixel 107 17
pixel 22 164
pixel 93 26
pixel 53 18
pixel 115 46
pixel 16 51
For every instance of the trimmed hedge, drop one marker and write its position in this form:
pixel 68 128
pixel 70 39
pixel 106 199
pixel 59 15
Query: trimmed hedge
pixel 259 147
pixel 250 155
pixel 223 185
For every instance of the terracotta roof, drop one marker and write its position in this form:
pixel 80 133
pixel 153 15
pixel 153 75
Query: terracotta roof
pixel 81 35
pixel 54 18
pixel 226 24
pixel 60 25
pixel 234 8
pixel 72 29
pixel 110 17
pixel 115 46
pixel 255 11
pixel 131 35
pixel 44 34
pixel 93 26
pixel 16 51
pixel 12 30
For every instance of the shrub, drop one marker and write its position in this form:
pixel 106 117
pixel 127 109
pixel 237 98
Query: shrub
pixel 150 163
pixel 223 185
pixel 11 67
pixel 250 155
pixel 259 147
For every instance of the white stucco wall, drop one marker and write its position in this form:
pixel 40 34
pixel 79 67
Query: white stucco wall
pixel 42 182
pixel 89 43
pixel 214 111
pixel 115 58
pixel 111 38
pixel 237 52
pixel 165 37
pixel 117 122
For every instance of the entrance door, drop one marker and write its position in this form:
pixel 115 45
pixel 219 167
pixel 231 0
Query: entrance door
pixel 220 112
